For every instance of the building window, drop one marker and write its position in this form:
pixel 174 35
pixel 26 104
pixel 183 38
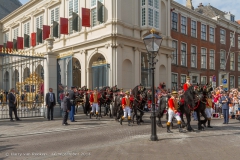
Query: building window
pixel 222 59
pixel 174 21
pixel 194 79
pixel 15 33
pixel 39 22
pixel 97 14
pixel 175 52
pixel 232 18
pixel 183 54
pixel 183 25
pixel 211 60
pixel 238 62
pixel 183 79
pixel 203 80
pixel 238 42
pixel 72 7
pixel 26 30
pixel 174 81
pixel 203 31
pixel 238 83
pixel 210 80
pixel 222 36
pixel 211 34
pixel 193 29
pixel 6 37
pixel 232 64
pixel 203 58
pixel 232 39
pixel 145 71
pixel 152 14
pixel 194 57
pixel 55 14
pixel 231 82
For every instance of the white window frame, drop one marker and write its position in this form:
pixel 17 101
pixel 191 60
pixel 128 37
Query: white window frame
pixel 6 37
pixel 183 25
pixel 155 12
pixel 175 53
pixel 173 22
pixel 55 17
pixel 232 61
pixel 231 84
pixel 192 79
pixel 211 35
pixel 185 54
pixel 15 33
pixel 70 10
pixel 204 33
pixel 94 8
pixel 210 79
pixel 232 36
pixel 212 59
pixel 238 62
pixel 195 36
pixel 222 36
pixel 203 77
pixel 182 81
pixel 38 23
pixel 176 80
pixel 143 13
pixel 222 59
pixel 202 56
pixel 194 64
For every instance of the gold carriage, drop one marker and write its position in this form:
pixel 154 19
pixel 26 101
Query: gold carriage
pixel 31 86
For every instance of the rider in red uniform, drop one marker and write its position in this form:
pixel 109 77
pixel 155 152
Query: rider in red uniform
pixel 187 84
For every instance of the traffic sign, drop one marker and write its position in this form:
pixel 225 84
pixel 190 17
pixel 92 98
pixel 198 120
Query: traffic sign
pixel 224 81
pixel 214 79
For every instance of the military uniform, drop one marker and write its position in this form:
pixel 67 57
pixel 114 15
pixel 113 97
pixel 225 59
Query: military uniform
pixel 94 102
pixel 186 85
pixel 173 111
pixel 127 107
pixel 208 111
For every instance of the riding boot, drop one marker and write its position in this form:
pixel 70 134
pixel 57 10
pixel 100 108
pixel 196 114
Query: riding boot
pixel 90 115
pixel 179 126
pixel 121 119
pixel 96 115
pixel 209 126
pixel 168 129
pixel 129 121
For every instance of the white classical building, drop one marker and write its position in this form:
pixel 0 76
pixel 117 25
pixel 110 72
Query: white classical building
pixel 108 53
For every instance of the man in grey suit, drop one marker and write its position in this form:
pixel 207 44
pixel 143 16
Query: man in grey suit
pixel 12 100
pixel 50 103
pixel 225 101
pixel 66 107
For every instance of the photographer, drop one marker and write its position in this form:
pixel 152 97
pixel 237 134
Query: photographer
pixel 72 97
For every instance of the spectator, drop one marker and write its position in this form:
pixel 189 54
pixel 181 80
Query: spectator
pixel 50 103
pixel 66 107
pixel 12 105
pixel 225 101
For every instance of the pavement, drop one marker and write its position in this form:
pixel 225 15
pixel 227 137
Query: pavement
pixel 105 139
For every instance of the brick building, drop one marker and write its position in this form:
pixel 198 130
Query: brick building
pixel 202 40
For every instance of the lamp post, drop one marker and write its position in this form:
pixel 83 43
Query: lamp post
pixel 153 43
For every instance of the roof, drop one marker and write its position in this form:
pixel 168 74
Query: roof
pixel 7 6
pixel 209 11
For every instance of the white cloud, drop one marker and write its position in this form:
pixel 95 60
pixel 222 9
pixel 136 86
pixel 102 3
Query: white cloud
pixel 222 5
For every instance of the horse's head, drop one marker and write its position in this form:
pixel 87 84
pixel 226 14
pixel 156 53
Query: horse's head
pixel 141 88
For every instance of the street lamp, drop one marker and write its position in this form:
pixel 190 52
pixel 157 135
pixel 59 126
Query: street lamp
pixel 153 43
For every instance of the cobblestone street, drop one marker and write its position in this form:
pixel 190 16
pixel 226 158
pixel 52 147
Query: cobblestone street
pixel 36 138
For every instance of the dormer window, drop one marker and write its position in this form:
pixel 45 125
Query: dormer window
pixel 232 18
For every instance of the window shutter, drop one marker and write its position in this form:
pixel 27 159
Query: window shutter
pixel 100 10
pixel 15 44
pixel 39 35
pixel 57 15
pixel 70 26
pixel 26 40
pixel 52 16
pixel 55 29
pixel 74 21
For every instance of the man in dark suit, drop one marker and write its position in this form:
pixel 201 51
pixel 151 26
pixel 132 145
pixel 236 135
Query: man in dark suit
pixel 72 97
pixel 12 105
pixel 50 103
pixel 66 107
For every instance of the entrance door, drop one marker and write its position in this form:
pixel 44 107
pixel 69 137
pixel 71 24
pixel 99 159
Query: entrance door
pixel 100 76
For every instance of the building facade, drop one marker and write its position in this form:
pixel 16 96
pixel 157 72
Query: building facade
pixel 202 41
pixel 109 52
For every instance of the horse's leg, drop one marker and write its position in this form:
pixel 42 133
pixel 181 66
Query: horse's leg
pixel 205 118
pixel 141 116
pixel 188 116
pixel 110 111
pixel 183 122
pixel 199 121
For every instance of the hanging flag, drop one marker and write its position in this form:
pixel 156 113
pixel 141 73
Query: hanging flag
pixel 63 26
pixel 46 32
pixel 33 39
pixel 9 46
pixel 26 40
pixel 39 35
pixel 100 9
pixel 19 42
pixel 14 44
pixel 55 29
pixel 86 17
pixel 1 48
pixel 74 21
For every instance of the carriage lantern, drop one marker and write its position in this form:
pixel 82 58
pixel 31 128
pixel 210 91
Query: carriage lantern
pixel 153 42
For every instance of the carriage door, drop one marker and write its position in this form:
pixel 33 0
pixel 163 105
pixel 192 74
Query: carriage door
pixel 100 75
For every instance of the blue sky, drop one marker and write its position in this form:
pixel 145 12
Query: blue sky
pixel 223 5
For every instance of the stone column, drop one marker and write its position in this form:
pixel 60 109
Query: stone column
pixel 137 66
pixel 50 75
pixel 169 71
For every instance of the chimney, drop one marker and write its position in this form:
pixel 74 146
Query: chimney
pixel 200 5
pixel 189 4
